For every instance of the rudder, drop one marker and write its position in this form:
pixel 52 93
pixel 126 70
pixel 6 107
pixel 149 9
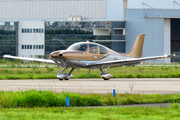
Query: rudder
pixel 137 48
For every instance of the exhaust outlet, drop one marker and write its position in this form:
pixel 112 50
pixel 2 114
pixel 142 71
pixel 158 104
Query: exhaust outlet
pixel 60 55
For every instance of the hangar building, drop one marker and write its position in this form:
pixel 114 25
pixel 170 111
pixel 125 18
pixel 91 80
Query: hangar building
pixel 38 27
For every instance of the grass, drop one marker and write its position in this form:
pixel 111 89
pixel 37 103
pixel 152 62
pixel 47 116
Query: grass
pixel 112 113
pixel 37 104
pixel 34 98
pixel 35 72
pixel 39 98
pixel 14 70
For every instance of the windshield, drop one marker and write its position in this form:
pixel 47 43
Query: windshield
pixel 81 47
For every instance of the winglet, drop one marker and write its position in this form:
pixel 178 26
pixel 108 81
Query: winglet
pixel 167 56
pixel 137 48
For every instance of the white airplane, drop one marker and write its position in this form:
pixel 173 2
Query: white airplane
pixel 90 55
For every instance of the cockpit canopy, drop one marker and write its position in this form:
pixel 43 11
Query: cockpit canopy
pixel 81 47
pixel 88 47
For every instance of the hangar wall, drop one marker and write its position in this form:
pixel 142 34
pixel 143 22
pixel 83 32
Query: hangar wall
pixel 153 28
pixel 155 23
pixel 155 4
pixel 32 15
pixel 52 9
pixel 167 39
pixel 31 38
pixel 93 10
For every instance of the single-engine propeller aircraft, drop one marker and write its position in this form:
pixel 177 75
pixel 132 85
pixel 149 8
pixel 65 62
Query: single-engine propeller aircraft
pixel 90 55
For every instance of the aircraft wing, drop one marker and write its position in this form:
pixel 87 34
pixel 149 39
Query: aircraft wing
pixel 130 61
pixel 30 59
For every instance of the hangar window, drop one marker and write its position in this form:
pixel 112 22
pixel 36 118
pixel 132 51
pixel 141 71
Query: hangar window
pixel 32 47
pixel 22 30
pixel 101 31
pixel 38 30
pixel 26 30
pixel 24 46
pixel 2 23
pixel 119 31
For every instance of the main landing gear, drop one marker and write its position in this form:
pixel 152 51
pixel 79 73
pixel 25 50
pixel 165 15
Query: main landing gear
pixel 105 76
pixel 65 76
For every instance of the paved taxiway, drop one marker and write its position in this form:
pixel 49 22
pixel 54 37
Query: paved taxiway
pixel 143 85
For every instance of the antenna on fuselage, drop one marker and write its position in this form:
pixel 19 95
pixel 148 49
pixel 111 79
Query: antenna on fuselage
pixel 96 39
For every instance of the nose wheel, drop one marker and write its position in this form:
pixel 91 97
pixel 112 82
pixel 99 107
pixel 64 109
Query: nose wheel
pixel 64 79
pixel 65 76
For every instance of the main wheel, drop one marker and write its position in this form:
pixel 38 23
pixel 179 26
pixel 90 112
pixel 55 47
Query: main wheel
pixel 60 79
pixel 66 79
pixel 105 79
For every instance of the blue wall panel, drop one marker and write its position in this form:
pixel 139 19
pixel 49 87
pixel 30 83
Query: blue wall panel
pixel 154 37
pixel 134 27
pixel 152 28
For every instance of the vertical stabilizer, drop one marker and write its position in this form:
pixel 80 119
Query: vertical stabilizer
pixel 137 48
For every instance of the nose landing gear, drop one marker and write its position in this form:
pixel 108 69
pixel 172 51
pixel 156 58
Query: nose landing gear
pixel 65 76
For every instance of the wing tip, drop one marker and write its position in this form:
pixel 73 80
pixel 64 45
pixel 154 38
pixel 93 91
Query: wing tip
pixel 6 55
pixel 166 56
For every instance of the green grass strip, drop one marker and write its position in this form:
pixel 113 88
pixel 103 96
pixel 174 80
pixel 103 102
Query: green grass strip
pixel 119 72
pixel 39 98
pixel 112 113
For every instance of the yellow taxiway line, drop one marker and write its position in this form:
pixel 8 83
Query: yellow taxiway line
pixel 72 83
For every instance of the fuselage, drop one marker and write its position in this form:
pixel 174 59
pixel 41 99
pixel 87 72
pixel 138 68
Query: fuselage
pixel 79 54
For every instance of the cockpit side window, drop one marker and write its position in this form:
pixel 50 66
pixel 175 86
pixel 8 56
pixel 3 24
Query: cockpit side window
pixel 103 50
pixel 81 47
pixel 93 48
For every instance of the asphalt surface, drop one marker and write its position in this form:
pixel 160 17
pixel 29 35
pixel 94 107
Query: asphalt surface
pixel 142 86
pixel 162 105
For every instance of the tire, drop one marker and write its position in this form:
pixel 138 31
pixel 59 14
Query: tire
pixel 105 79
pixel 61 79
pixel 66 79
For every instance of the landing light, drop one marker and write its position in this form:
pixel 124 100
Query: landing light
pixel 165 56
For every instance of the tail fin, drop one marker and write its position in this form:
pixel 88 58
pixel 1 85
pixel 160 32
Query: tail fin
pixel 137 48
